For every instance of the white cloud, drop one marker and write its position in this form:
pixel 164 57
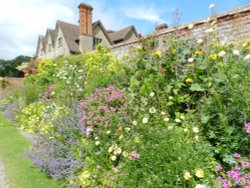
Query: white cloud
pixel 148 13
pixel 22 21
pixel 111 18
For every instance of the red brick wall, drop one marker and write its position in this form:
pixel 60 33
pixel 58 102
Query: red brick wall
pixel 231 25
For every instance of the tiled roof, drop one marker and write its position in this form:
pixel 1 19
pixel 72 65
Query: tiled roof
pixel 51 32
pixel 71 33
pixel 120 35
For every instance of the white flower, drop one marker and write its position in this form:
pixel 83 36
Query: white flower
pixel 190 26
pixel 134 123
pixel 182 117
pixel 190 60
pixel 110 149
pixel 177 120
pixel 185 130
pixel 145 120
pixel 211 6
pixel 97 143
pixel 236 52
pixel 152 110
pixel 221 53
pixel 196 137
pixel 113 158
pixel 170 98
pixel 117 151
pixel 108 132
pixel 166 119
pixel 127 129
pixel 195 130
pixel 247 57
pixel 202 186
pixel 163 113
pixel 199 41
pixel 210 30
pixel 170 127
pixel 152 94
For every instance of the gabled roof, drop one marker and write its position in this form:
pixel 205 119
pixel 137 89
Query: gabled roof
pixel 121 34
pixel 51 32
pixel 41 39
pixel 70 33
pixel 98 22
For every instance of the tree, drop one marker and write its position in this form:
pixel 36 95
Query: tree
pixel 8 67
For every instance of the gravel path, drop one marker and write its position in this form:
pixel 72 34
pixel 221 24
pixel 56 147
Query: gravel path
pixel 3 179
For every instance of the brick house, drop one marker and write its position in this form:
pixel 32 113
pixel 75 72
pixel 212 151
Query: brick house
pixel 68 38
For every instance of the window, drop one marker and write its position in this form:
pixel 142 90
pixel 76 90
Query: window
pixel 60 40
pixel 96 41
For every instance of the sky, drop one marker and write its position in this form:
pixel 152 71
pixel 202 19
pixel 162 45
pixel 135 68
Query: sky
pixel 21 21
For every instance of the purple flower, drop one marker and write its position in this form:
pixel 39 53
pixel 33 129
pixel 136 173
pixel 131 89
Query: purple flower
pixel 236 155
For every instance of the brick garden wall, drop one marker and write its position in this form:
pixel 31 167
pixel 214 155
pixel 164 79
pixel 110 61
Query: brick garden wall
pixel 228 26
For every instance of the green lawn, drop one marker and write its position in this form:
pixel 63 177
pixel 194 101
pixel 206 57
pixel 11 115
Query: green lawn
pixel 20 173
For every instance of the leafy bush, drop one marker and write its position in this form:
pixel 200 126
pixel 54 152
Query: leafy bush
pixel 39 117
pixel 172 118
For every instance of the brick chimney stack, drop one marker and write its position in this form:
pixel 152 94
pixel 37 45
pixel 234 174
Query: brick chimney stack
pixel 85 18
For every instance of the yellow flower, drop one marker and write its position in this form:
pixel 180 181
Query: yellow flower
pixel 189 80
pixel 157 53
pixel 187 175
pixel 199 173
pixel 191 65
pixel 138 48
pixel 198 52
pixel 245 44
pixel 213 56
pixel 84 175
pixel 173 51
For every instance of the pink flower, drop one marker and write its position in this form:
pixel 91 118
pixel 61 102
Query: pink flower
pixel 244 164
pixel 236 155
pixel 237 168
pixel 247 176
pixel 135 154
pixel 219 168
pixel 247 186
pixel 247 127
pixel 82 104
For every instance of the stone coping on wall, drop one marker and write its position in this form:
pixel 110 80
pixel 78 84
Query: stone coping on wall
pixel 232 12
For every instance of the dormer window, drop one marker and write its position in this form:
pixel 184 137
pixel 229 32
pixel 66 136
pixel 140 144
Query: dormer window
pixel 60 40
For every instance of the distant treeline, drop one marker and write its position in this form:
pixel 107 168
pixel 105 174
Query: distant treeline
pixel 8 67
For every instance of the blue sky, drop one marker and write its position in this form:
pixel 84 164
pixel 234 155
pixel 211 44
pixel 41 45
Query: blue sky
pixel 21 21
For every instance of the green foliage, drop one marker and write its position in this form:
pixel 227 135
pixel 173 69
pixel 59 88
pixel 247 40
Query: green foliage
pixel 3 83
pixel 39 117
pixel 19 171
pixel 8 67
pixel 183 110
